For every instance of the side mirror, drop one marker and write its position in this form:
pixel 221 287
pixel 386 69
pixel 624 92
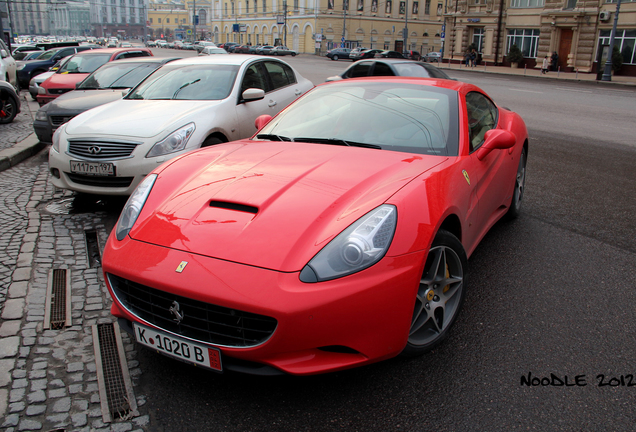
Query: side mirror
pixel 496 139
pixel 3 53
pixel 261 121
pixel 252 94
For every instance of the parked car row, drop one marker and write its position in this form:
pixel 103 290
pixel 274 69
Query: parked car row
pixel 348 171
pixel 360 53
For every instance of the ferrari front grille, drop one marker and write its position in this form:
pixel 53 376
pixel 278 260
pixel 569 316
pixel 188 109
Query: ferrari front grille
pixel 101 149
pixel 196 320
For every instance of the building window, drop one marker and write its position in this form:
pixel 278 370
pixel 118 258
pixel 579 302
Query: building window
pixel 167 20
pixel 159 20
pixel 526 39
pixel 478 38
pixel 225 8
pixel 526 3
pixel 625 40
pixel 150 20
pixel 570 4
pixel 264 6
pixel 255 6
pixel 247 6
pixel 427 7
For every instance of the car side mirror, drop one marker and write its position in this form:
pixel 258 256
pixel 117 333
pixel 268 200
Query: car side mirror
pixel 261 121
pixel 252 94
pixel 496 139
pixel 3 53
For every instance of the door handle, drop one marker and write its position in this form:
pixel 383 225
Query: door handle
pixel 298 92
pixel 271 103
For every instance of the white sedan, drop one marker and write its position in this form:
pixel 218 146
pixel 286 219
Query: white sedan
pixel 186 104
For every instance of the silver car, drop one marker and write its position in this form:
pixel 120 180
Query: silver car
pixel 189 103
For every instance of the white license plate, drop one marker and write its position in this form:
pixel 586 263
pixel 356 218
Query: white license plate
pixel 180 348
pixel 93 168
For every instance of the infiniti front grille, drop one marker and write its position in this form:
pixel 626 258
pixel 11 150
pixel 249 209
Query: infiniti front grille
pixel 101 149
pixel 202 321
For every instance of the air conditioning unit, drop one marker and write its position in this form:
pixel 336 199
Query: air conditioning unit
pixel 604 16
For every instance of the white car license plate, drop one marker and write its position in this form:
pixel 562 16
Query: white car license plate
pixel 180 348
pixel 92 168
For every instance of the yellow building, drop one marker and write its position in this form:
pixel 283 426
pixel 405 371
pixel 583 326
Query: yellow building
pixel 167 23
pixel 311 25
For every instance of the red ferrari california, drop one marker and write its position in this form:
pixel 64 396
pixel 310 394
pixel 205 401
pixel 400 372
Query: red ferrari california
pixel 336 237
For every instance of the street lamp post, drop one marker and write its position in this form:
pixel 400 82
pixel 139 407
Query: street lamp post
pixel 607 73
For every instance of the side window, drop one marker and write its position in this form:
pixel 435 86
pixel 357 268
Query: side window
pixel 482 116
pixel 131 54
pixel 361 69
pixel 253 78
pixel 279 74
pixel 382 69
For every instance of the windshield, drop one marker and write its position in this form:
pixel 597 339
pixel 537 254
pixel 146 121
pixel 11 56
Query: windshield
pixel 394 116
pixel 118 75
pixel 48 54
pixel 199 82
pixel 418 70
pixel 84 63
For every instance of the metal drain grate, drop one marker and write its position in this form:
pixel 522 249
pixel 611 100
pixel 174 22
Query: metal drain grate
pixel 92 249
pixel 115 389
pixel 57 312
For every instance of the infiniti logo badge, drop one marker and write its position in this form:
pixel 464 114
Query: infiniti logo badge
pixel 94 150
pixel 178 314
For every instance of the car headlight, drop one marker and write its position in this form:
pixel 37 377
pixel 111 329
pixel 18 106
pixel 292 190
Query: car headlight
pixel 133 207
pixel 175 142
pixel 41 115
pixel 56 137
pixel 361 245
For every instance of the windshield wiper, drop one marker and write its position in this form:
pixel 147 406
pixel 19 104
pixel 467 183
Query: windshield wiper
pixel 337 141
pixel 273 137
pixel 174 96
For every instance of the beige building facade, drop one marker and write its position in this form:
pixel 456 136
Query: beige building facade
pixel 311 26
pixel 576 30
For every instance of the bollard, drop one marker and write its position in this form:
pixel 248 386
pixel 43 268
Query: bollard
pixel 485 66
pixel 577 73
pixel 525 69
pixel 558 71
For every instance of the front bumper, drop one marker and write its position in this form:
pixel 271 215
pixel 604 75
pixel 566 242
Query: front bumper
pixel 322 327
pixel 128 172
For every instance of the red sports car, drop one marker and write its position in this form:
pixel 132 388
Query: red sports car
pixel 336 237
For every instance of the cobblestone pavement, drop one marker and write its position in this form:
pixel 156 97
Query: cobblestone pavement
pixel 21 126
pixel 48 378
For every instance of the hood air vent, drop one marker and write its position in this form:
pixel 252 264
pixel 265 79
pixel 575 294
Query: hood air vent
pixel 234 206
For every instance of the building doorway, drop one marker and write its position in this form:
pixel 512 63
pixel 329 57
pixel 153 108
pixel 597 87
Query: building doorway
pixel 565 47
pixel 399 45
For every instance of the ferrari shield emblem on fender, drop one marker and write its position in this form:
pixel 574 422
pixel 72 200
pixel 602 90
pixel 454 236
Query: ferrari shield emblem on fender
pixel 466 176
pixel 181 266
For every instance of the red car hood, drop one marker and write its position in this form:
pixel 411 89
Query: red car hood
pixel 63 80
pixel 270 204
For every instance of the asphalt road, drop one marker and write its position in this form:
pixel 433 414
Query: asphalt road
pixel 550 293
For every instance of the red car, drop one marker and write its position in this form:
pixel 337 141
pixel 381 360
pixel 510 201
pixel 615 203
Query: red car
pixel 336 237
pixel 81 66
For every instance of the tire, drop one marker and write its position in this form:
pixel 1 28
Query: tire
pixel 520 186
pixel 8 108
pixel 334 58
pixel 293 54
pixel 210 141
pixel 440 295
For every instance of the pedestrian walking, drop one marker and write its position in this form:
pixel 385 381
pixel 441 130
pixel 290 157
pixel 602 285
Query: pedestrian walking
pixel 473 57
pixel 545 65
pixel 467 58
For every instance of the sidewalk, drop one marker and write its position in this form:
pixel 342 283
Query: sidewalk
pixel 536 72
